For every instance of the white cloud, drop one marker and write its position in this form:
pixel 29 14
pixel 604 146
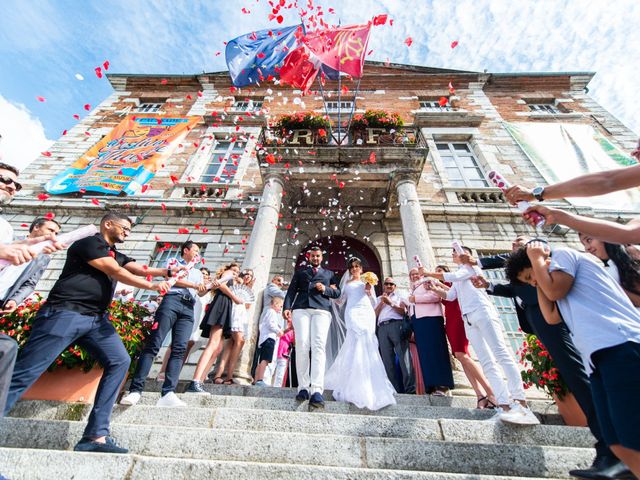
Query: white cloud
pixel 23 137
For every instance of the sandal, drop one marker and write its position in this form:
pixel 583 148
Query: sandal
pixel 490 405
pixel 481 405
pixel 228 381
pixel 218 381
pixel 439 393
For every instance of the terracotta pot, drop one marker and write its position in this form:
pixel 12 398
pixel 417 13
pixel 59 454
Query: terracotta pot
pixel 66 385
pixel 570 411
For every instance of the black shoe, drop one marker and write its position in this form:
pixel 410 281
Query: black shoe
pixel 88 445
pixel 316 402
pixel 604 468
pixel 302 396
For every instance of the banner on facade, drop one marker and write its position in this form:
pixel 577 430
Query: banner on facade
pixel 563 151
pixel 126 158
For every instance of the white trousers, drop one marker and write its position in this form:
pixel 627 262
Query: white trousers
pixel 485 332
pixel 281 369
pixel 311 327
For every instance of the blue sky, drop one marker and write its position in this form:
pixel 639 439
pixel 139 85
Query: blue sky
pixel 45 44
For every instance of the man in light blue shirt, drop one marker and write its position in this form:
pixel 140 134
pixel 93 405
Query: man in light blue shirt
pixel 605 327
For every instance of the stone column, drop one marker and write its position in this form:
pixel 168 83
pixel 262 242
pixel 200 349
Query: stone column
pixel 258 257
pixel 416 237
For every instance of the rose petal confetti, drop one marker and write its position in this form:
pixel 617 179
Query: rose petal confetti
pixel 46 154
pixel 43 196
pixel 408 41
pixel 454 44
pixel 41 99
pixel 105 65
pixel 87 107
pixel 380 19
pixel 79 77
pixel 49 215
pixel 443 101
pixel 98 71
pixel 95 201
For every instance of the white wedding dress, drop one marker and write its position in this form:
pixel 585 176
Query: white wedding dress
pixel 357 374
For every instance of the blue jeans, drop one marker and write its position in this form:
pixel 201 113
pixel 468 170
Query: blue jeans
pixel 175 315
pixel 53 331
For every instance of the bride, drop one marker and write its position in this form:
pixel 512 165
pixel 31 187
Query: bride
pixel 357 374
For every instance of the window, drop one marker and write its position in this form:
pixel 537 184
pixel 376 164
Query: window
pixel 434 106
pixel 161 253
pixel 461 166
pixel 223 162
pixel 149 107
pixel 339 107
pixel 251 105
pixel 545 108
pixel 505 306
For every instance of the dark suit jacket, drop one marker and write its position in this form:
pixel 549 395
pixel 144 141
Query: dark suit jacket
pixel 526 293
pixel 27 281
pixel 303 294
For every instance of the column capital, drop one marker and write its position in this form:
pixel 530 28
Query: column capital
pixel 400 177
pixel 273 177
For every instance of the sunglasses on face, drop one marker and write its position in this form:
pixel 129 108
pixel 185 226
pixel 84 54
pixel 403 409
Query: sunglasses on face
pixel 9 181
pixel 389 284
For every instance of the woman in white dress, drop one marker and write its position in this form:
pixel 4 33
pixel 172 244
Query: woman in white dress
pixel 357 374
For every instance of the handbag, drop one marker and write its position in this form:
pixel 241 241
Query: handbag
pixel 407 327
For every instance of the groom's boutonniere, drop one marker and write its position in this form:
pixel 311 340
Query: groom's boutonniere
pixel 370 278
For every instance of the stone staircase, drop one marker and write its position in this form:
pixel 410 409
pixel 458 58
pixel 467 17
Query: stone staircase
pixel 250 432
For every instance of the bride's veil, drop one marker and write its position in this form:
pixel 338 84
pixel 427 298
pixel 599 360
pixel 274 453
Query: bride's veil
pixel 338 328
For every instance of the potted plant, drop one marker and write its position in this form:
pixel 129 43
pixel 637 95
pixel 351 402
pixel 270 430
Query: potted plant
pixel 390 122
pixel 75 375
pixel 318 125
pixel 540 371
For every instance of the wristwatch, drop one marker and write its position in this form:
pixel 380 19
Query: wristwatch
pixel 169 274
pixel 538 192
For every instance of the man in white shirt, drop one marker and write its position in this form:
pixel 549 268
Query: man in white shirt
pixel 390 310
pixel 605 327
pixel 484 329
pixel 175 314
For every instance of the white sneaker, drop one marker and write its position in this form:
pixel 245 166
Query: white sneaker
pixel 519 415
pixel 170 400
pixel 496 416
pixel 131 399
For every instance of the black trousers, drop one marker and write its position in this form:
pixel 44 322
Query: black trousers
pixel 557 341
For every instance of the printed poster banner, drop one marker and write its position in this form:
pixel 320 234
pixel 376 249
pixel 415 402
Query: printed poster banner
pixel 562 151
pixel 127 158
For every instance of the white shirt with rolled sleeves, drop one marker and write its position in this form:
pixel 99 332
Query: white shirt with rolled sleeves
pixel 469 297
pixel 596 310
pixel 194 276
pixel 387 312
pixel 269 325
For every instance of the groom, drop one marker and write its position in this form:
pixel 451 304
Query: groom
pixel 309 297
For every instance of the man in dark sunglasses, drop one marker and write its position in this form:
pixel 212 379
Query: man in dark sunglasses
pixel 19 252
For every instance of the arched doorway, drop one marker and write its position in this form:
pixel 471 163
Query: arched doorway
pixel 337 249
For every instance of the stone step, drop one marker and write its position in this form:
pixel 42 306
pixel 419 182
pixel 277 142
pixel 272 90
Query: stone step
pixel 434 407
pixel 436 428
pixel 309 449
pixel 31 464
pixel 459 398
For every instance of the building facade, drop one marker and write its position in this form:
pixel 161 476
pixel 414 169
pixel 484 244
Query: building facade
pixel 259 196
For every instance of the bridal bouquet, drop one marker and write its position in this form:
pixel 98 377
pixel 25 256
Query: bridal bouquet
pixel 370 278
